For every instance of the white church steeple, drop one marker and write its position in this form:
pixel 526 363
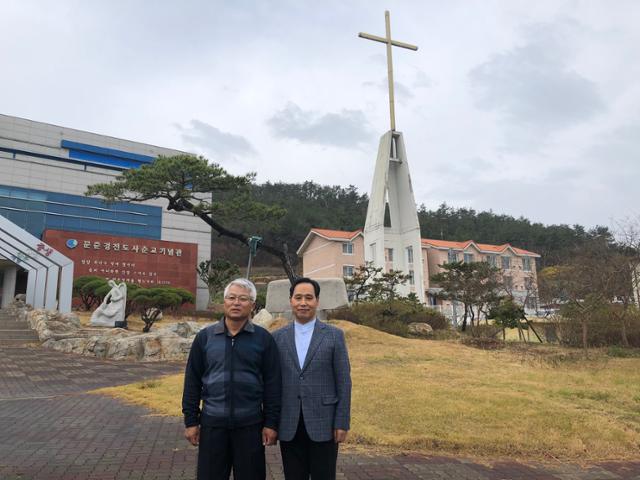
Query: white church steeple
pixel 398 244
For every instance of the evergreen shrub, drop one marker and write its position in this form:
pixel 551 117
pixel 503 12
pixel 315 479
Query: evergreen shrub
pixel 391 316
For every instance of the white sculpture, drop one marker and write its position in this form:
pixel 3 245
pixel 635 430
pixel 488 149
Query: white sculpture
pixel 110 313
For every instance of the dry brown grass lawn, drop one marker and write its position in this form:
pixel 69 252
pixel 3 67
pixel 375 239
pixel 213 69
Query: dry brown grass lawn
pixel 445 397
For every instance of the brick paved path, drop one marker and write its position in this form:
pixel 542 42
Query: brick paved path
pixel 51 429
pixel 38 372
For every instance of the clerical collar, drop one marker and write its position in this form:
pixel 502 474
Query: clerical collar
pixel 305 327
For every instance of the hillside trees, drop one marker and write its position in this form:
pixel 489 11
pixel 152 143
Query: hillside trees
pixel 298 207
pixel 307 205
pixel 311 205
pixel 282 213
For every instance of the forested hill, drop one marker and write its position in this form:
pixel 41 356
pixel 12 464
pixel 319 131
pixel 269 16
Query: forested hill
pixel 310 205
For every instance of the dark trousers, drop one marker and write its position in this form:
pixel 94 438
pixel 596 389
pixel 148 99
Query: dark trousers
pixel 302 457
pixel 221 449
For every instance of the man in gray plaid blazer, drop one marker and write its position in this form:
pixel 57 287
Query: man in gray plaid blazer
pixel 316 388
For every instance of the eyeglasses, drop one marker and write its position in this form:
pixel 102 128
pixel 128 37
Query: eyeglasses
pixel 240 298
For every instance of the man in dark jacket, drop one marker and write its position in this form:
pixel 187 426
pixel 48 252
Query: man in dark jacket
pixel 234 370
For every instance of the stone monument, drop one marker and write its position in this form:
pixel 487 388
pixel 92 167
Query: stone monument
pixel 110 313
pixel 396 245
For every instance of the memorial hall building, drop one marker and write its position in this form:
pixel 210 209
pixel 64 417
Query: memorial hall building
pixel 45 170
pixel 335 253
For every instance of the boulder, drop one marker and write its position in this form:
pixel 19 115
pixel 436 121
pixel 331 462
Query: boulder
pixel 174 348
pixel 263 318
pixel 420 329
pixel 124 348
pixel 182 329
pixel 49 324
pixel 70 318
pixel 67 345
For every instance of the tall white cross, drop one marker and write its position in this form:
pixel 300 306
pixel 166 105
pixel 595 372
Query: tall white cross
pixel 389 42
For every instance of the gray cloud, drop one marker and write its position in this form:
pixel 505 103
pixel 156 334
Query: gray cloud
pixel 346 129
pixel 221 145
pixel 534 86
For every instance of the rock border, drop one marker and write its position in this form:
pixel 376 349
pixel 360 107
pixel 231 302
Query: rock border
pixel 63 333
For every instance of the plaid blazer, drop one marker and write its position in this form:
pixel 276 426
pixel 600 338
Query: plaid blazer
pixel 321 388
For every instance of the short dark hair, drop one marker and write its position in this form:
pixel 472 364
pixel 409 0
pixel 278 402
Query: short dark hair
pixel 298 281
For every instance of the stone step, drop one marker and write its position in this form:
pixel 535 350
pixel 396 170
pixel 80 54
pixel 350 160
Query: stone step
pixel 12 342
pixel 14 332
pixel 15 326
pixel 18 335
pixel 10 318
pixel 7 320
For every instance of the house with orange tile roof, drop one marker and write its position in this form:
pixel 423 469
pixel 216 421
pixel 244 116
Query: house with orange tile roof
pixel 329 253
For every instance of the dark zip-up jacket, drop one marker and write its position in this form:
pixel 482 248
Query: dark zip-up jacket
pixel 237 378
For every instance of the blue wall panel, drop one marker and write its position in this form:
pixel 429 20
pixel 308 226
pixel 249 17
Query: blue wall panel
pixel 36 211
pixel 105 156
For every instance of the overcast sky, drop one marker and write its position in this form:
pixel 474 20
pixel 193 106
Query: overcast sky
pixel 527 108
